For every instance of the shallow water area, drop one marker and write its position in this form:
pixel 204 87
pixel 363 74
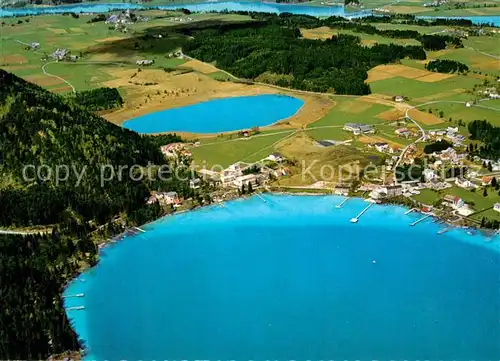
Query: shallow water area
pixel 291 278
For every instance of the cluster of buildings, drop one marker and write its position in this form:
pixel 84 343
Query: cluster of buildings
pixel 241 174
pixel 175 150
pixel 451 133
pixel 386 191
pixel 491 93
pixel 403 132
pixel 61 54
pixel 358 129
pixel 165 198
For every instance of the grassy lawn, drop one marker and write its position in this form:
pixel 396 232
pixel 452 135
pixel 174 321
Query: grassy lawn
pixel 225 152
pixel 476 199
pixel 220 76
pixel 419 91
pixel 459 111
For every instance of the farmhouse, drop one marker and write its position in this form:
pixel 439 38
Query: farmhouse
pixel 496 207
pixel 35 46
pixel 399 98
pixel 144 62
pixel 60 54
pixel 403 132
pixel 359 128
pixel 195 183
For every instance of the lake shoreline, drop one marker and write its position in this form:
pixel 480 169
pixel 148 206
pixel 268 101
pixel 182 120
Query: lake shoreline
pixel 80 281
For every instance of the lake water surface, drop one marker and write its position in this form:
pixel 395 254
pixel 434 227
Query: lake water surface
pixel 292 279
pixel 219 115
pixel 318 11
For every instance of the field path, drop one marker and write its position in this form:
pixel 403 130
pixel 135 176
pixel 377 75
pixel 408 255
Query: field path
pixel 56 76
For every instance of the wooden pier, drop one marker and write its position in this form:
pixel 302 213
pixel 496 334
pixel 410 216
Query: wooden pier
pixel 75 308
pixel 262 198
pixel 420 220
pixel 342 203
pixel 75 295
pixel 444 230
pixel 356 219
pixel 409 211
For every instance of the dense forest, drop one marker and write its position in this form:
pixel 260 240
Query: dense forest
pixel 34 270
pixel 42 134
pixel 446 66
pixel 488 134
pixel 338 65
pixel 99 99
pixel 46 133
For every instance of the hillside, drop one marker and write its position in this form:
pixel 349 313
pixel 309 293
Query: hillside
pixel 56 158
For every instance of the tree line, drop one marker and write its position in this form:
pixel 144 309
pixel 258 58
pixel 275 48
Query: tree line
pixel 489 135
pixel 45 130
pixel 446 66
pixel 338 65
pixel 99 99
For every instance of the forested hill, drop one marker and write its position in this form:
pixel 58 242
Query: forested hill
pixel 41 131
pixel 262 52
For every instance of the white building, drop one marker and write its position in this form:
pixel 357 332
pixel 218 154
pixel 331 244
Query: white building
pixel 195 183
pixel 464 183
pixel 496 207
pixel 144 62
pixel 244 180
pixel 429 174
pixel 359 128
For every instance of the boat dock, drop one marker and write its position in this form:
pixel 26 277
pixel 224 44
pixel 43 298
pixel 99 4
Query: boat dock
pixel 356 219
pixel 420 220
pixel 139 229
pixel 75 295
pixel 262 198
pixel 409 211
pixel 342 203
pixel 75 308
pixel 444 230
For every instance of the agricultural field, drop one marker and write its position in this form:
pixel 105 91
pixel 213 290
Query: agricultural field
pixel 324 33
pixel 223 151
pixel 472 8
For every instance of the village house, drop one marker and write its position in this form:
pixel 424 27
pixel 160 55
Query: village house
pixel 164 198
pixel 145 62
pixel 486 180
pixel 464 183
pixel 458 205
pixel 60 54
pixel 275 157
pixel 358 129
pixel 399 98
pixel 35 46
pixel 195 183
pixel 172 150
pixel 429 174
pixel 496 207
pixel 403 132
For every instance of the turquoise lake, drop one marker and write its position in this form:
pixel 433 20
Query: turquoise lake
pixel 319 11
pixel 219 115
pixel 292 279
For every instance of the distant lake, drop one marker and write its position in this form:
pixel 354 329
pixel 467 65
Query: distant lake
pixel 318 11
pixel 219 115
pixel 290 278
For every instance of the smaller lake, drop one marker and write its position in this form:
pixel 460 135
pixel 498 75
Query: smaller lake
pixel 219 115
